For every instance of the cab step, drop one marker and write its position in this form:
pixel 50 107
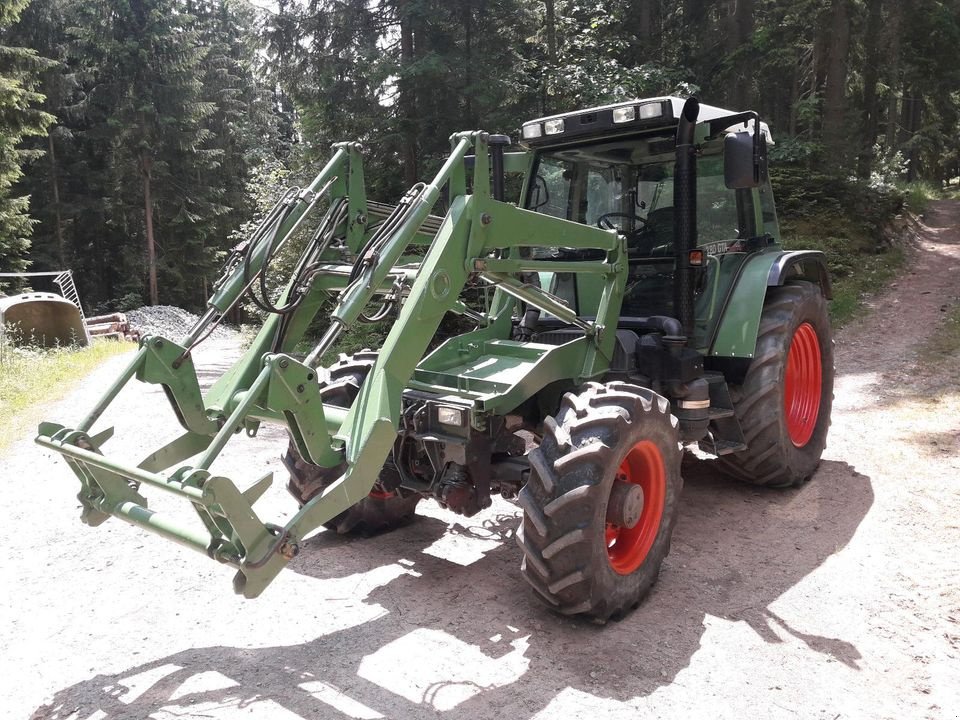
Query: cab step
pixel 725 435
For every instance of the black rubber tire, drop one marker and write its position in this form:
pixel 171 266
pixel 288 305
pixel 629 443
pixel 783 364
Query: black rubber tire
pixel 378 512
pixel 771 459
pixel 565 500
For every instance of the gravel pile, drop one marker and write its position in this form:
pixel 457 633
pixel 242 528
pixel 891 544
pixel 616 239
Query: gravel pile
pixel 171 322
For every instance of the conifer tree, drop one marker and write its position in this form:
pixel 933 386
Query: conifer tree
pixel 20 118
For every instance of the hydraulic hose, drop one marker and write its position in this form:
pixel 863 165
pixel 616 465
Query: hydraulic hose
pixel 312 250
pixel 386 229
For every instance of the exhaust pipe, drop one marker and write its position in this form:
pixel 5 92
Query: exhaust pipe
pixel 685 214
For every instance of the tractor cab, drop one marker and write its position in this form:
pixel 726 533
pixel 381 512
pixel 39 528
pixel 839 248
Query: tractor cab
pixel 614 167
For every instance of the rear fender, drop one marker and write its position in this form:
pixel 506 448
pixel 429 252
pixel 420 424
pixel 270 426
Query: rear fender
pixel 737 330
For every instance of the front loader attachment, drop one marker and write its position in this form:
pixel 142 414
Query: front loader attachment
pixel 232 531
pixel 480 236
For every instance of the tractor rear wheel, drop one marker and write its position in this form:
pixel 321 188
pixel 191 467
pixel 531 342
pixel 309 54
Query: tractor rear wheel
pixel 784 402
pixel 383 509
pixel 601 500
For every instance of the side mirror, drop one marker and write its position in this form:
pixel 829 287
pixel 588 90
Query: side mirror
pixel 745 160
pixel 539 196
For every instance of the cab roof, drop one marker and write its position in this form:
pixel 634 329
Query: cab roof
pixel 628 116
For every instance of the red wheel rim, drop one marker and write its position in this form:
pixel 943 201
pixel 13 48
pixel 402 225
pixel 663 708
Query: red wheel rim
pixel 627 548
pixel 803 384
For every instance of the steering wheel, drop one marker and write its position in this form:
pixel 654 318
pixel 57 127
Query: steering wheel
pixel 603 222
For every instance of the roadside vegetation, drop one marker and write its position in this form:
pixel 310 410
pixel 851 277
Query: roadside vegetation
pixel 31 377
pixel 861 227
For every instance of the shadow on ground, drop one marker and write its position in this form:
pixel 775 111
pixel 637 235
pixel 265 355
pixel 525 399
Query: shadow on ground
pixel 471 641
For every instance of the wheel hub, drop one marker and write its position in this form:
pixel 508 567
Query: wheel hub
pixel 635 507
pixel 626 503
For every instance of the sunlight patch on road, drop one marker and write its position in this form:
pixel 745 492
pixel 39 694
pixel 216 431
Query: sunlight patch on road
pixel 571 703
pixel 203 682
pixel 258 709
pixel 130 688
pixel 335 698
pixel 463 548
pixel 431 667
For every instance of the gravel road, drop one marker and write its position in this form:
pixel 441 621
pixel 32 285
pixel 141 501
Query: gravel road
pixel 840 599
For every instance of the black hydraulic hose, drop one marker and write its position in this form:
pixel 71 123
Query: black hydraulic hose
pixel 387 228
pixel 317 244
pixel 685 214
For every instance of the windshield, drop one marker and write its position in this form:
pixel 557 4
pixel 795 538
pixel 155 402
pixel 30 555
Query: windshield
pixel 610 186
pixel 627 184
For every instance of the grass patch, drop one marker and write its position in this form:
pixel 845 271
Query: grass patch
pixel 32 377
pixel 919 194
pixel 860 263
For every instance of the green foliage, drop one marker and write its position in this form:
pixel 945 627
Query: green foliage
pixel 30 375
pixel 860 258
pixel 194 97
pixel 20 118
pixel 158 92
pixel 918 195
pixel 803 194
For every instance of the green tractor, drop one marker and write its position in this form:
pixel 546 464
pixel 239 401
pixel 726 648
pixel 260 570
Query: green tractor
pixel 634 302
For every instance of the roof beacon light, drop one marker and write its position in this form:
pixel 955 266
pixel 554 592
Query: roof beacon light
pixel 624 114
pixel 532 131
pixel 553 127
pixel 652 110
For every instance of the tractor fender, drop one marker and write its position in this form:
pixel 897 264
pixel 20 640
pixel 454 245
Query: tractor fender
pixel 736 334
pixel 804 265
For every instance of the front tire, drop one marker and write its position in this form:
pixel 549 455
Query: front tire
pixel 384 509
pixel 786 397
pixel 601 500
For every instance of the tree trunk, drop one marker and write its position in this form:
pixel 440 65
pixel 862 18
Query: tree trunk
pixel 643 11
pixel 58 220
pixel 742 93
pixel 871 75
pixel 794 102
pixel 468 64
pixel 407 102
pixel 550 20
pixel 910 121
pixel 892 45
pixel 834 101
pixel 146 166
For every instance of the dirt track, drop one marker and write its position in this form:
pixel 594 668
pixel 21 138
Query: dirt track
pixel 837 600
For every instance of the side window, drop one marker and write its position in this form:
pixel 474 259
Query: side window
pixel 769 212
pixel 550 192
pixel 717 217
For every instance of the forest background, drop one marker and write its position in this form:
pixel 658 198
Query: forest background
pixel 178 121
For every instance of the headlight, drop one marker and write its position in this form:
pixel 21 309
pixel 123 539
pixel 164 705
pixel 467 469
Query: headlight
pixel 447 415
pixel 553 127
pixel 532 131
pixel 624 114
pixel 651 110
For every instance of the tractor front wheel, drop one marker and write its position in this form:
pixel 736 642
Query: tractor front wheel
pixel 784 402
pixel 383 509
pixel 601 500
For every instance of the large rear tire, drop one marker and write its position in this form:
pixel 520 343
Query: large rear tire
pixel 383 509
pixel 785 400
pixel 601 500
